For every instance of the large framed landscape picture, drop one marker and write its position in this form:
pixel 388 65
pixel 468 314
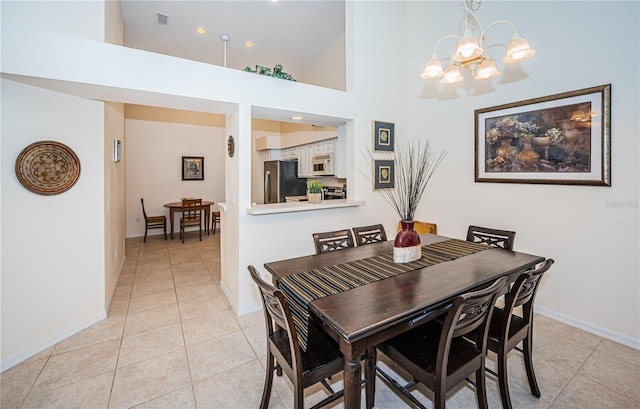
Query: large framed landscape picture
pixel 557 139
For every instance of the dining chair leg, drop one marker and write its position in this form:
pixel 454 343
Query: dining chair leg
pixel 503 380
pixel 165 231
pixel 145 235
pixel 439 398
pixel 528 363
pixel 298 399
pixel 481 389
pixel 268 382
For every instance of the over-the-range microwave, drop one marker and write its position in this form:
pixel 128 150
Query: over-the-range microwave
pixel 322 165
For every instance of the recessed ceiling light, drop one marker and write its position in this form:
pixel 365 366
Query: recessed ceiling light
pixel 201 30
pixel 249 44
pixel 297 118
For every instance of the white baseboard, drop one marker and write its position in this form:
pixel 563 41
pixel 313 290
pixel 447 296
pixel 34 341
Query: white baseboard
pixel 250 309
pixel 589 327
pixel 41 346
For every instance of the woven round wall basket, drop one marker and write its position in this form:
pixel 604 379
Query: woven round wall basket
pixel 47 167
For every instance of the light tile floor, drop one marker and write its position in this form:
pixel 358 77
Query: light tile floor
pixel 171 341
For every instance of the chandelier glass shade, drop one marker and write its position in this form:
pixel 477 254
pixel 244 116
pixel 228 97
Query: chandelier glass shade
pixel 470 51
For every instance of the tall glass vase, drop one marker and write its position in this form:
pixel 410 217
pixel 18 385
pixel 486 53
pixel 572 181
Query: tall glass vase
pixel 406 247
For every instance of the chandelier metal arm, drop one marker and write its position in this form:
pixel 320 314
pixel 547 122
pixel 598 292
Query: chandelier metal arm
pixel 457 37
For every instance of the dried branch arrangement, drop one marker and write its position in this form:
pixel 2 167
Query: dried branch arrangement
pixel 415 164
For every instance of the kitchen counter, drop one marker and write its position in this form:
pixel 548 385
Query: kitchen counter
pixel 261 209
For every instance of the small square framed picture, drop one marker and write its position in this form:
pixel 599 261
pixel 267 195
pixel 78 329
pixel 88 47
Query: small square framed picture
pixel 383 174
pixel 192 168
pixel 383 136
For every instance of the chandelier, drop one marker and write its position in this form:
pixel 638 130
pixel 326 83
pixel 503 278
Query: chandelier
pixel 471 53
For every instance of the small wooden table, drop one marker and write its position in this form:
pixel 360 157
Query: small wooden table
pixel 363 317
pixel 177 207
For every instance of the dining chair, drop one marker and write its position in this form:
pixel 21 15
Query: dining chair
pixel 191 216
pixel 153 222
pixel 422 227
pixel 321 359
pixel 333 240
pixel 215 218
pixel 369 234
pixel 491 237
pixel 440 355
pixel 508 329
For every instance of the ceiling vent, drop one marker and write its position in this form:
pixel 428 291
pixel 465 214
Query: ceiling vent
pixel 162 19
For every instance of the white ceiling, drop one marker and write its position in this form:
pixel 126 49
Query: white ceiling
pixel 287 32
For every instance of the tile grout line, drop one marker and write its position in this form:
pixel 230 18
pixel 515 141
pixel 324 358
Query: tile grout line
pixel 124 326
pixel 184 341
pixel 561 391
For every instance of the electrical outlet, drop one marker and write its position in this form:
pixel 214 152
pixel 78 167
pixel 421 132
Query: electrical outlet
pixel 137 219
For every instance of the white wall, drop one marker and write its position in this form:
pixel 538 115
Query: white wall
pixel 325 72
pixel 591 232
pixel 53 280
pixel 157 138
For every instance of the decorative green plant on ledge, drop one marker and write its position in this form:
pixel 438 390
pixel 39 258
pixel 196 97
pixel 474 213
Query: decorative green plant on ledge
pixel 276 72
pixel 314 186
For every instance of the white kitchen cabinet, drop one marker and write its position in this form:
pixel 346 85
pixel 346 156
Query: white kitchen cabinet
pixel 305 168
pixel 290 153
pixel 324 147
pixel 329 146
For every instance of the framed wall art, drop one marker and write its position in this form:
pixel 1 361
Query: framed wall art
pixel 47 167
pixel 383 174
pixel 557 139
pixel 383 136
pixel 193 168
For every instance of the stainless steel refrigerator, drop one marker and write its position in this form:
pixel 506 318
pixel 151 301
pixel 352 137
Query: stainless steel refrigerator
pixel 281 179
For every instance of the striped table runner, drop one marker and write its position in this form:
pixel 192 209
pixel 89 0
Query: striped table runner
pixel 304 287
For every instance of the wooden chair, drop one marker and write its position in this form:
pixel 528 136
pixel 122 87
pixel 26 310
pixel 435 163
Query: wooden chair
pixel 321 359
pixel 215 218
pixel 422 227
pixel 153 222
pixel 508 329
pixel 333 240
pixel 440 356
pixel 491 237
pixel 191 216
pixel 369 234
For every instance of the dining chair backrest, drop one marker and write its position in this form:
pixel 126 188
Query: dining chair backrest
pixel 276 310
pixel 333 240
pixel 153 222
pixel 422 227
pixel 369 234
pixel 191 210
pixel 491 237
pixel 470 312
pixel 191 216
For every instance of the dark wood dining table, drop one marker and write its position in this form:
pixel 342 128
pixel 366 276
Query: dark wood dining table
pixel 363 317
pixel 177 207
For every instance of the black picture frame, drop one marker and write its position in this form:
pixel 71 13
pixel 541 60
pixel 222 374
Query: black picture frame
pixel 384 173
pixel 562 139
pixel 193 168
pixel 383 136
